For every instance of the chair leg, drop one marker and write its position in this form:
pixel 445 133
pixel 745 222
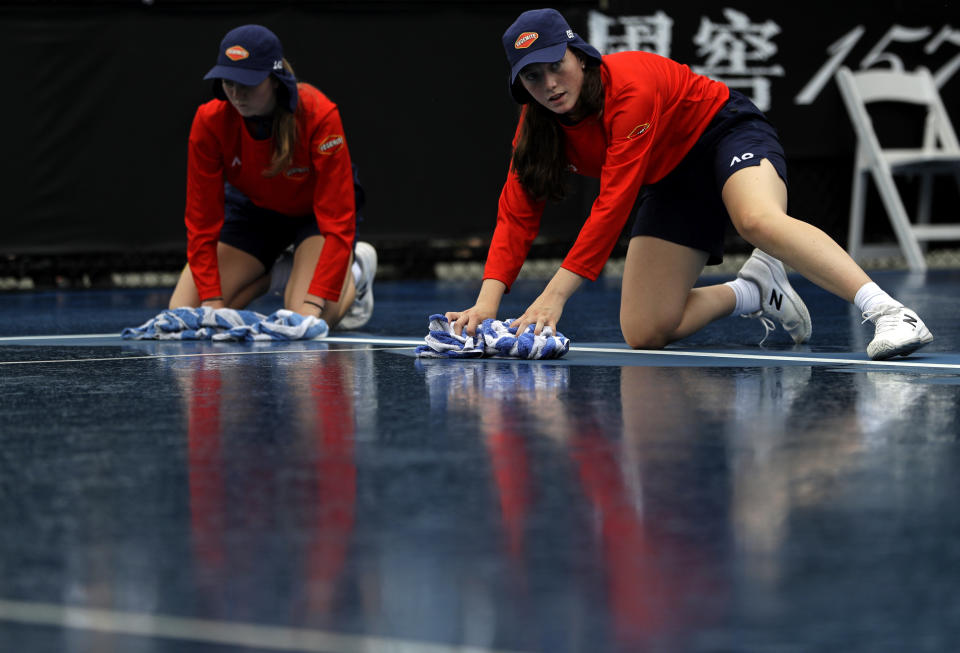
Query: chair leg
pixel 897 214
pixel 857 208
pixel 925 198
pixel 924 202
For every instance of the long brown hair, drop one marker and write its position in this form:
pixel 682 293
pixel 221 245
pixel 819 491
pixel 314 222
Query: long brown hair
pixel 539 158
pixel 284 133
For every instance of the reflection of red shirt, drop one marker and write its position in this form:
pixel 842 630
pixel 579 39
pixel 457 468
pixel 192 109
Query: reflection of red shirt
pixel 655 109
pixel 319 182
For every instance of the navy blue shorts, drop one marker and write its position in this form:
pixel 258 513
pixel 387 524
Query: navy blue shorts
pixel 265 234
pixel 686 207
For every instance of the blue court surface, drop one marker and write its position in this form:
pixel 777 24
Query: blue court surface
pixel 344 496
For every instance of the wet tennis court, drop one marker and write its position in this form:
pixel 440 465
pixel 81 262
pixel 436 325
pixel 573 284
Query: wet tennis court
pixel 342 495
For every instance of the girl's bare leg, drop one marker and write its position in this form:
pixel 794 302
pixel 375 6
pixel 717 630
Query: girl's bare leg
pixel 242 279
pixel 756 199
pixel 658 302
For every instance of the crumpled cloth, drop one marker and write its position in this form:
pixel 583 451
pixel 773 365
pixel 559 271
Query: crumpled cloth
pixel 227 324
pixel 494 338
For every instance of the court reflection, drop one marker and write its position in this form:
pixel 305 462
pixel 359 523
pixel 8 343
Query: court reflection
pixel 791 451
pixel 272 481
pixel 618 533
pixel 514 417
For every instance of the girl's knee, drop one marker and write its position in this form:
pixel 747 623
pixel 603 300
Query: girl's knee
pixel 645 335
pixel 758 226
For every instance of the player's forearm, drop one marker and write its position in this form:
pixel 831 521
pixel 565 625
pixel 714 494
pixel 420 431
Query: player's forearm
pixel 491 293
pixel 563 284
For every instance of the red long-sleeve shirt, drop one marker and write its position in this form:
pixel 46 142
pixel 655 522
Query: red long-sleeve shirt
pixel 319 181
pixel 655 109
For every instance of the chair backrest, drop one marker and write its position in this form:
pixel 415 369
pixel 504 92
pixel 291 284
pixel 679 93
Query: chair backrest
pixel 861 88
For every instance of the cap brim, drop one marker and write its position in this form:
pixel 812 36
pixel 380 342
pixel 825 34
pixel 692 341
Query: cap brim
pixel 548 54
pixel 243 76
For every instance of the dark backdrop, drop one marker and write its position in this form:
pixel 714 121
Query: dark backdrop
pixel 99 97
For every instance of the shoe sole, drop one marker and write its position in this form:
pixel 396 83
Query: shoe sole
pixel 348 323
pixel 373 275
pixel 885 351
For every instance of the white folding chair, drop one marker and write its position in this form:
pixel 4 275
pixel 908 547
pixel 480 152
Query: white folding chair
pixel 938 154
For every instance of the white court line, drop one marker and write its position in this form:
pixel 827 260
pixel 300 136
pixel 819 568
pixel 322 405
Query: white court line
pixel 371 340
pixel 198 354
pixel 412 342
pixel 769 357
pixel 406 343
pixel 274 638
pixel 78 336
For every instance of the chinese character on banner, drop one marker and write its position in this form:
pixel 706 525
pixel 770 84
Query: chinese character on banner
pixel 738 53
pixel 610 34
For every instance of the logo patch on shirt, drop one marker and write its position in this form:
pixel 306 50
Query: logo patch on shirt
pixel 331 144
pixel 638 130
pixel 237 52
pixel 296 173
pixel 525 40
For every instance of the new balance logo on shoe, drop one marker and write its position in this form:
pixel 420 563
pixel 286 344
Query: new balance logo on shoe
pixel 911 320
pixel 775 299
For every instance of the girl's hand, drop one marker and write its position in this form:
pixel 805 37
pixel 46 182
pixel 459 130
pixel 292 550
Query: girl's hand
pixel 548 307
pixel 468 320
pixel 491 292
pixel 544 311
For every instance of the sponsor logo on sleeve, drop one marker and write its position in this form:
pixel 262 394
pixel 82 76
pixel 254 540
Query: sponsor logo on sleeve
pixel 237 52
pixel 639 130
pixel 525 40
pixel 331 144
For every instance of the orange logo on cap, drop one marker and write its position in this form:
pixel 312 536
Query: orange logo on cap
pixel 331 144
pixel 237 52
pixel 525 40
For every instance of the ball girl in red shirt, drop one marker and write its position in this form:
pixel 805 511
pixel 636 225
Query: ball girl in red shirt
pixel 268 169
pixel 682 154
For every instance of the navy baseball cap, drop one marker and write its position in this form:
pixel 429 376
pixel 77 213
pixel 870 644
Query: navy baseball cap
pixel 248 55
pixel 540 36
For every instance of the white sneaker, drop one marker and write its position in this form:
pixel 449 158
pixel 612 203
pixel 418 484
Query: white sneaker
pixel 899 332
pixel 778 299
pixel 361 310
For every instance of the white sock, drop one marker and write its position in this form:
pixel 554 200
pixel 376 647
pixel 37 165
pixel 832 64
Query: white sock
pixel 748 296
pixel 870 296
pixel 357 272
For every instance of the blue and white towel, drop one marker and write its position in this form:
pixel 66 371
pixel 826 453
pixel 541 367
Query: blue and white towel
pixel 494 338
pixel 227 324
